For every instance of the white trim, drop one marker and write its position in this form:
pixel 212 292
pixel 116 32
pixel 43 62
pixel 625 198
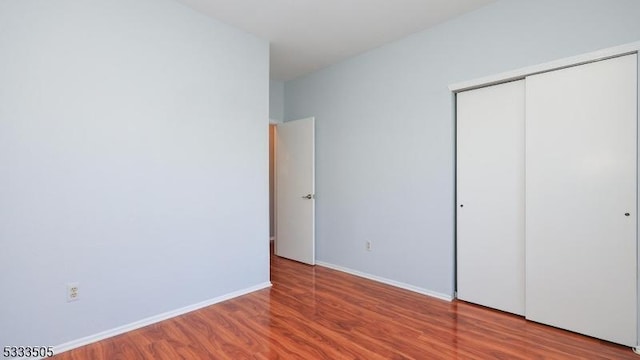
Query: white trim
pixel 153 319
pixel 313 187
pixel 548 66
pixel 397 284
pixel 637 348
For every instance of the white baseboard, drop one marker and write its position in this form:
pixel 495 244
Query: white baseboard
pixel 153 319
pixel 397 284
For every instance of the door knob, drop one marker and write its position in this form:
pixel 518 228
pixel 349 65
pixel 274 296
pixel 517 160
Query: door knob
pixel 626 214
pixel 308 197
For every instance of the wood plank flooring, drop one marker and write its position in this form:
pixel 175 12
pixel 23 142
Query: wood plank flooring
pixel 319 313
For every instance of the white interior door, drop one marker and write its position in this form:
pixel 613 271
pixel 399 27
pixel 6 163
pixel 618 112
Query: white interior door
pixel 490 196
pixel 581 199
pixel 295 190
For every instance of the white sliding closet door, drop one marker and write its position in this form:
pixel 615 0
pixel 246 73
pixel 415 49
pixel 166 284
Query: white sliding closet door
pixel 581 199
pixel 490 196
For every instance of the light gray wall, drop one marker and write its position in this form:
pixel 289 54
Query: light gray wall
pixel 276 100
pixel 133 160
pixel 385 128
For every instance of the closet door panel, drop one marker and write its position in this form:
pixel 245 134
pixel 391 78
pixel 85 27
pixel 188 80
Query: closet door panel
pixel 581 199
pixel 490 196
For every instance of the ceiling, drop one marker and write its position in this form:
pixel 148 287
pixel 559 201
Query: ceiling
pixel 307 35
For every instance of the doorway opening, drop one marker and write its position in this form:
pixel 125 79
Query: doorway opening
pixel 272 215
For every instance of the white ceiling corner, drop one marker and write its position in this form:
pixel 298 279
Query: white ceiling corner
pixel 307 35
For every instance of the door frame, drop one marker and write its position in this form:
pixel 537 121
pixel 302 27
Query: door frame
pixel 273 201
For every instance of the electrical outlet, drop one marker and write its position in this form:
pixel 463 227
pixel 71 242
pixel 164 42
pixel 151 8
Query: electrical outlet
pixel 368 245
pixel 73 291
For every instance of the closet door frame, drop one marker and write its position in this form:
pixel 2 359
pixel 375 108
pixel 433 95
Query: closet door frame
pixel 522 73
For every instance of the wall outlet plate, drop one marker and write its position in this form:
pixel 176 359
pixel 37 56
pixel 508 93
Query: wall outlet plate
pixel 73 291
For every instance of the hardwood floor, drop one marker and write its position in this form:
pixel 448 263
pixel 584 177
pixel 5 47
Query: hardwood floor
pixel 319 313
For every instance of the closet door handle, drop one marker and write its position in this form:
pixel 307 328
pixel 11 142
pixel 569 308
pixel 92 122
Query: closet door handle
pixel 626 214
